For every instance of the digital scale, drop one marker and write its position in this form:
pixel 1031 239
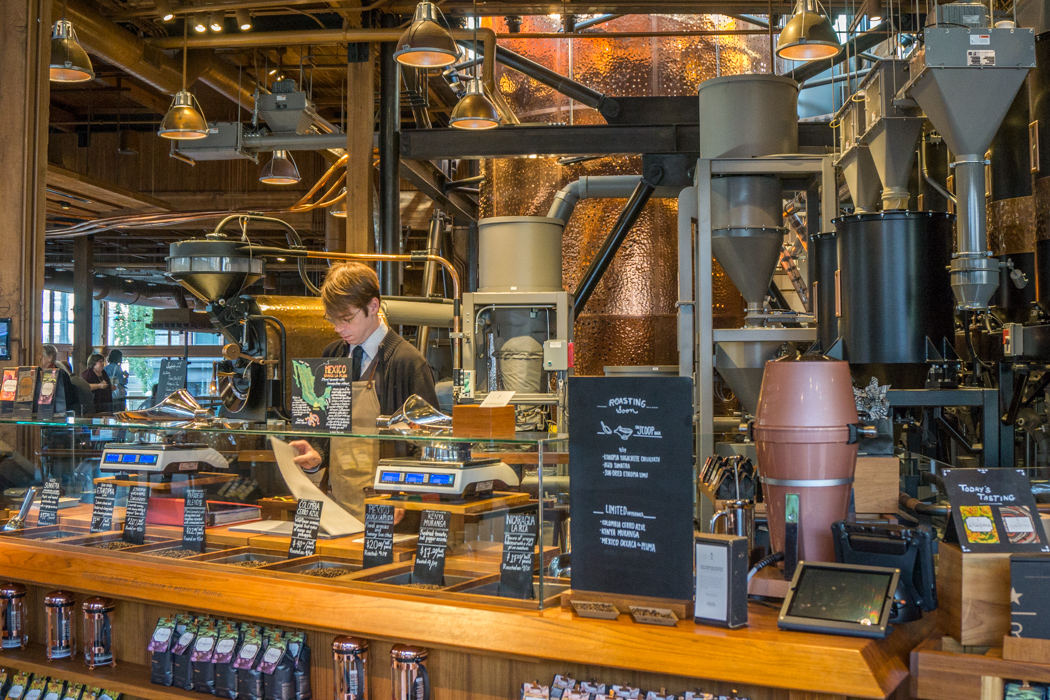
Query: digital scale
pixel 445 478
pixel 160 458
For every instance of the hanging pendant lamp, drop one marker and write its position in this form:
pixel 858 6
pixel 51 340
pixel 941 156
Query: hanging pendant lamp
pixel 69 60
pixel 280 170
pixel 808 35
pixel 426 44
pixel 185 119
pixel 474 110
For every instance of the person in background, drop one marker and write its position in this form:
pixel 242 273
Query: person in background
pixel 118 378
pixel 97 379
pixel 70 397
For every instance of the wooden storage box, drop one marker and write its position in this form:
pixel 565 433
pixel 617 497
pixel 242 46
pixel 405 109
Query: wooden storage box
pixel 474 421
pixel 973 591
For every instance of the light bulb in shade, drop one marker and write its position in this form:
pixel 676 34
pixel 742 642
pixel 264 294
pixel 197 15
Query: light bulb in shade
pixel 339 208
pixel 69 60
pixel 200 23
pixel 244 19
pixel 280 170
pixel 474 110
pixel 808 35
pixel 426 44
pixel 184 119
pixel 215 21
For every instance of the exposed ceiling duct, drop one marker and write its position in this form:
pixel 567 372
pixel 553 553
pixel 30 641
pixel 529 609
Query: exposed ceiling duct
pixel 149 64
pixel 118 291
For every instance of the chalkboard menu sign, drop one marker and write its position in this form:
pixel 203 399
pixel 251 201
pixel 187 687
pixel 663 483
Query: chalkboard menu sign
pixel 135 519
pixel 631 469
pixel 379 535
pixel 519 555
pixel 102 512
pixel 430 550
pixel 993 510
pixel 194 513
pixel 304 529
pixel 321 394
pixel 172 377
pixel 48 514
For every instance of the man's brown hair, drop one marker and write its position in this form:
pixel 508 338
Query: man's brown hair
pixel 347 287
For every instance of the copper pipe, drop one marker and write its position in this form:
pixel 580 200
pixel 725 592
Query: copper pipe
pixel 629 35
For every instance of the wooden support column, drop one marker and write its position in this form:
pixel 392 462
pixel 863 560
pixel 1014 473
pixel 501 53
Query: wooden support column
pixel 360 124
pixel 25 44
pixel 83 298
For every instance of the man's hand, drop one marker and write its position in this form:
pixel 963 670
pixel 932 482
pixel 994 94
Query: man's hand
pixel 308 458
pixel 399 515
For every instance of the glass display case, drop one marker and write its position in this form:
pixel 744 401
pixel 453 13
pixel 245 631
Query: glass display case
pixel 476 494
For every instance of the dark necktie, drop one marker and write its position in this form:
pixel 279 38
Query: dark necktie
pixel 358 355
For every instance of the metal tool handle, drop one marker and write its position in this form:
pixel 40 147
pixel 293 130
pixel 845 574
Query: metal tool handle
pixel 27 503
pixel 715 518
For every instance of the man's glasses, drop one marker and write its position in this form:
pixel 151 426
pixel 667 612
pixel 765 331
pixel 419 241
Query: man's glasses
pixel 342 321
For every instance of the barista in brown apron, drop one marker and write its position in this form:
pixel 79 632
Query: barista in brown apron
pixel 394 371
pixel 352 461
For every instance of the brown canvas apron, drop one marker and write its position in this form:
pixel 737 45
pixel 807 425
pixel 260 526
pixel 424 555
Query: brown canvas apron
pixel 352 461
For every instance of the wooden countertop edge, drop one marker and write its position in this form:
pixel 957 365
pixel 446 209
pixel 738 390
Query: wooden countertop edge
pixel 759 654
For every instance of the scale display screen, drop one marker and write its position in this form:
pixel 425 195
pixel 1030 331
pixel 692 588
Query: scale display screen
pixel 128 459
pixel 112 458
pixel 415 478
pixel 147 459
pixel 390 478
pixel 442 479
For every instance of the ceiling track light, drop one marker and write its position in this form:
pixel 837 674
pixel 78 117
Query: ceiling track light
pixel 474 110
pixel 808 35
pixel 164 10
pixel 426 44
pixel 69 60
pixel 200 23
pixel 280 170
pixel 215 21
pixel 244 18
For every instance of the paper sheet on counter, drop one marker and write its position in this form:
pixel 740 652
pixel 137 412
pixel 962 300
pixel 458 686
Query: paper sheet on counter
pixel 335 521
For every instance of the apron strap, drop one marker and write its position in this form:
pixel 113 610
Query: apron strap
pixel 372 372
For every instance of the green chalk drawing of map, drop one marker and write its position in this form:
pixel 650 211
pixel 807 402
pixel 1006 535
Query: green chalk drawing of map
pixel 304 378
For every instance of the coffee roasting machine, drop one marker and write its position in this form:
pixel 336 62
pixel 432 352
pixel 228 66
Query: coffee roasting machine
pixel 934 286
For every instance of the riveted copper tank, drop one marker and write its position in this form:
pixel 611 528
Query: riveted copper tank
pixel 802 434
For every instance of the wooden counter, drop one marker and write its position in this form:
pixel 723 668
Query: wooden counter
pixel 478 651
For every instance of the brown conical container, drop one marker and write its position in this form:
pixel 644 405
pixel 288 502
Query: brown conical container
pixel 802 437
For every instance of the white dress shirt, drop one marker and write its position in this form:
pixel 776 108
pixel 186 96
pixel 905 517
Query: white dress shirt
pixel 371 347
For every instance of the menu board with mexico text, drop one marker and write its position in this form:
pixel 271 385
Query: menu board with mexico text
pixel 631 470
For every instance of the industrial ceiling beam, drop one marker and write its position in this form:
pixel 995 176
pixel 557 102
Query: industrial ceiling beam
pixel 429 180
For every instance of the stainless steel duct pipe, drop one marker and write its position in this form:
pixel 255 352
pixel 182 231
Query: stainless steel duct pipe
pixel 598 187
pixel 126 51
